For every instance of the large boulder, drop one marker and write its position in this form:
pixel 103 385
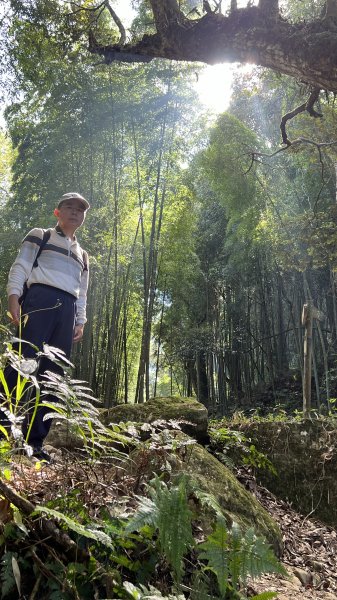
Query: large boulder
pixel 183 455
pixel 63 435
pixel 192 414
pixel 211 476
pixel 189 411
pixel 235 500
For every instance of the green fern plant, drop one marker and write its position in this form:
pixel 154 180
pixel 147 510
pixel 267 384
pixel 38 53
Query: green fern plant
pixel 76 402
pixel 94 534
pixel 233 556
pixel 167 511
pixel 75 405
pixel 233 447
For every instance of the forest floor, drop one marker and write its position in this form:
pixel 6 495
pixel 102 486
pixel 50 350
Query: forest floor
pixel 310 547
pixel 310 551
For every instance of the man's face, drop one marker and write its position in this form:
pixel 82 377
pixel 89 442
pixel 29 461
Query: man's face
pixel 71 214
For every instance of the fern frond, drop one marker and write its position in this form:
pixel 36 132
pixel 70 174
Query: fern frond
pixel 209 501
pixel 167 510
pixel 146 514
pixel 174 525
pixel 256 557
pixel 235 555
pixel 232 556
pixel 55 354
pixel 215 550
pixel 94 534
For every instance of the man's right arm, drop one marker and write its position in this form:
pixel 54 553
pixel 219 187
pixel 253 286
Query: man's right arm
pixel 14 308
pixel 21 269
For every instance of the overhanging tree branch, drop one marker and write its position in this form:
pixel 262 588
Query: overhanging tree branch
pixel 301 141
pixel 118 22
pixel 97 10
pixel 306 51
pixel 166 13
pixel 306 106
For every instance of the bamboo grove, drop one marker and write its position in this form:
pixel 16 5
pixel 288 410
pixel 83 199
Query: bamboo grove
pixel 201 259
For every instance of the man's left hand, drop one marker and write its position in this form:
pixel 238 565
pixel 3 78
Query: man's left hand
pixel 78 333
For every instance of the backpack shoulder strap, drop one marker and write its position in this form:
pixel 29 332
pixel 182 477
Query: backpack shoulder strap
pixel 85 260
pixel 46 236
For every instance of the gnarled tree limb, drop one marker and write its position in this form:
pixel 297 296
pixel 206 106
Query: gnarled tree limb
pixel 256 156
pixel 118 22
pixel 306 106
pixel 306 51
pixel 166 13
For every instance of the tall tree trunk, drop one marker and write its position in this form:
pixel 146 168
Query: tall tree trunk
pixel 150 266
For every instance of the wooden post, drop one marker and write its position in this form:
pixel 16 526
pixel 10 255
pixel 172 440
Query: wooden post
pixel 309 313
pixel 307 319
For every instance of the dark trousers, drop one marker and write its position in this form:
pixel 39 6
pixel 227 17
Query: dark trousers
pixel 51 319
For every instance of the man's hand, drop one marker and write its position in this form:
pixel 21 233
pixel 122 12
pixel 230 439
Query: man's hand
pixel 14 308
pixel 78 333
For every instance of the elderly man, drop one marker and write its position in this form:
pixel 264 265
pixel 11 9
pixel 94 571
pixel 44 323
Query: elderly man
pixel 48 282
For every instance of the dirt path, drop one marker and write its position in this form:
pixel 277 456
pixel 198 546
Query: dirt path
pixel 310 551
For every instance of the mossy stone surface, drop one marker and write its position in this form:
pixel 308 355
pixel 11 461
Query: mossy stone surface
pixel 236 502
pixel 176 408
pixel 305 457
pixel 195 414
pixel 211 476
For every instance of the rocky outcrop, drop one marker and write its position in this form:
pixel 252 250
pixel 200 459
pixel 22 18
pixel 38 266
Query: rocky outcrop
pixel 304 455
pixel 180 454
pixel 211 476
pixel 192 414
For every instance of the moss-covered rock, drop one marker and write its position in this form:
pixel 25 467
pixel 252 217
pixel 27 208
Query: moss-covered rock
pixel 304 455
pixel 210 476
pixel 188 410
pixel 177 408
pixel 237 503
pixel 207 472
pixel 62 435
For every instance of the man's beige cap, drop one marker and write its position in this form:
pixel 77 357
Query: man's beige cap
pixel 75 196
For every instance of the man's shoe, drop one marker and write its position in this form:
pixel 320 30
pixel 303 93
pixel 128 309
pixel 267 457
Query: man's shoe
pixel 41 454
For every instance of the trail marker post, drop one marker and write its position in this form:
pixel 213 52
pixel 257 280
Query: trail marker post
pixel 309 313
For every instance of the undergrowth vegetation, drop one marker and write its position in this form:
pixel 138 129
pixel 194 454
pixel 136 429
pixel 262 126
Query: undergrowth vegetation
pixel 231 443
pixel 97 523
pixel 234 448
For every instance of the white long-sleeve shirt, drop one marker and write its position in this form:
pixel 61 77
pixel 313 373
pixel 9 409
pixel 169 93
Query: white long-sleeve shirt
pixel 62 264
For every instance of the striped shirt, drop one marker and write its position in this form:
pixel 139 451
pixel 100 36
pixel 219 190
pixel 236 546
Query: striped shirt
pixel 62 264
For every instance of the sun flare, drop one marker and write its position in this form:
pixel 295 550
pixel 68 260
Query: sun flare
pixel 214 87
